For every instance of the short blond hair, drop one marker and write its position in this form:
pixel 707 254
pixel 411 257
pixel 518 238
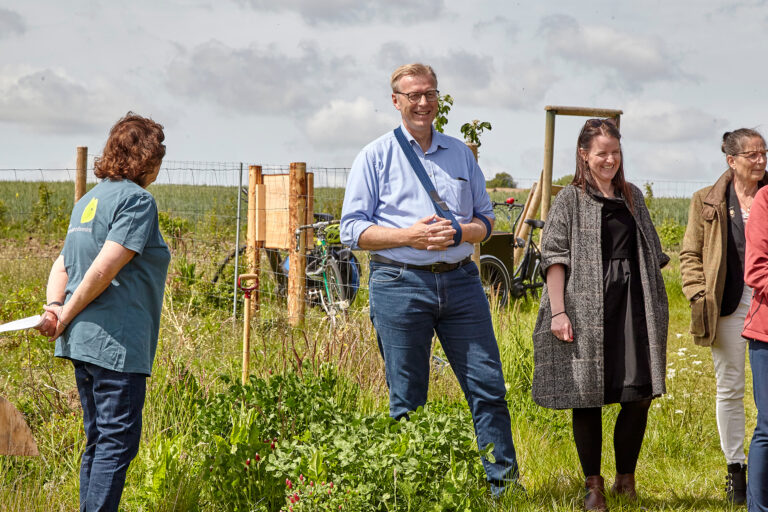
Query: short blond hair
pixel 415 69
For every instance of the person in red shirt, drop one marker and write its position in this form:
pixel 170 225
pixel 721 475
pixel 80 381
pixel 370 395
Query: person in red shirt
pixel 756 331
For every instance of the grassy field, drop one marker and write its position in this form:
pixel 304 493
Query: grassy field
pixel 318 395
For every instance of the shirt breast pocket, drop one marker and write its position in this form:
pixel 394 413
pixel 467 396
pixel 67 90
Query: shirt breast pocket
pixel 458 195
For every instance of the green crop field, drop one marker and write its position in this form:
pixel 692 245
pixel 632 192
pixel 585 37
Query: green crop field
pixel 315 411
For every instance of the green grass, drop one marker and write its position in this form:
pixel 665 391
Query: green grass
pixel 680 468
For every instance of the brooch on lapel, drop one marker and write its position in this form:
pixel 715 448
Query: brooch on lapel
pixel 732 211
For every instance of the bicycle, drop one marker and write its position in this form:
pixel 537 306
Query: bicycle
pixel 328 252
pixel 333 272
pixel 497 258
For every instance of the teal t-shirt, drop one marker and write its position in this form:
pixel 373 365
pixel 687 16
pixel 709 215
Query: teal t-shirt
pixel 118 330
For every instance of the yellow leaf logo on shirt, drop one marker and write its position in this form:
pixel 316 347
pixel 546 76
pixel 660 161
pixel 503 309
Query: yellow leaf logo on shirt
pixel 90 211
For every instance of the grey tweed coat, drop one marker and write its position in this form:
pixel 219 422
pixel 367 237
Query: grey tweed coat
pixel 570 375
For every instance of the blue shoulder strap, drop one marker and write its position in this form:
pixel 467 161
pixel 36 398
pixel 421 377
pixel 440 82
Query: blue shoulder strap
pixel 441 208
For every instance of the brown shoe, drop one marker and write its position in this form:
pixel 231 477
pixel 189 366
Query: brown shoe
pixel 625 484
pixel 595 498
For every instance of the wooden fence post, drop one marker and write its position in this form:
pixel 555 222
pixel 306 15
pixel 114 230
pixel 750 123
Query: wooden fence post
pixel 297 213
pixel 81 172
pixel 254 245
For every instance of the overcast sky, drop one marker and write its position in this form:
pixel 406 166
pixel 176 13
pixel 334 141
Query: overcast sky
pixel 275 81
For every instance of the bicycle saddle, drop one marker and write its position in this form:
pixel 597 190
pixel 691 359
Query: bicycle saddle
pixel 323 217
pixel 535 223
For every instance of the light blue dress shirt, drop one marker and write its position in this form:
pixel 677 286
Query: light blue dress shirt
pixel 383 189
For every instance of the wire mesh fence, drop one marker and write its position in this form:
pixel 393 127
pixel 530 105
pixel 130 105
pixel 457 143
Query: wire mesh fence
pixel 202 211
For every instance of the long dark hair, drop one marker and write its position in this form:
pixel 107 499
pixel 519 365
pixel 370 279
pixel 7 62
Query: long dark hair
pixel 591 129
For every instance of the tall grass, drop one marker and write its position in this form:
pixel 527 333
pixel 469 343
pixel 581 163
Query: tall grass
pixel 680 468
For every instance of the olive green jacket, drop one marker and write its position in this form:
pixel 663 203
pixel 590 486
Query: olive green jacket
pixel 702 257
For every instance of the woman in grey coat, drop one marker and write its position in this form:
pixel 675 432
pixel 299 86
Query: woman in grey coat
pixel 601 337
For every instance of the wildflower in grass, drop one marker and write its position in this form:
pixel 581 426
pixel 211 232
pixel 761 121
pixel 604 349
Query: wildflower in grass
pixel 697 362
pixel 678 411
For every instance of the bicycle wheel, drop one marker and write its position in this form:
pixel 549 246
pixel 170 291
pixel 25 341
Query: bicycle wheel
pixel 334 299
pixel 495 279
pixel 349 270
pixel 537 279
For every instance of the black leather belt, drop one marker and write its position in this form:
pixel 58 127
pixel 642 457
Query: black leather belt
pixel 435 268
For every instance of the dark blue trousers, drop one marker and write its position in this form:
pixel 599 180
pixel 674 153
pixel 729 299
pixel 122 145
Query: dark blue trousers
pixel 112 407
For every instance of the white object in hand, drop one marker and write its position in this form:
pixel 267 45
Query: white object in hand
pixel 25 323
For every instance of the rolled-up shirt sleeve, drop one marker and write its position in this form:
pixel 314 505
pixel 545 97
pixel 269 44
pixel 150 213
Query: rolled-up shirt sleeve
pixel 360 199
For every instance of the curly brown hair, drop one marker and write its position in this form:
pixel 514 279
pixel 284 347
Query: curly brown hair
pixel 134 148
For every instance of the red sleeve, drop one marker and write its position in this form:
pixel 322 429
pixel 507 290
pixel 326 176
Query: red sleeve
pixel 756 256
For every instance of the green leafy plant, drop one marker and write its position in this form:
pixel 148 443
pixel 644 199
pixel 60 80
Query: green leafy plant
pixel 670 234
pixel 444 104
pixel 472 131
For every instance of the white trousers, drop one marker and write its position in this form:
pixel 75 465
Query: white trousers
pixel 729 354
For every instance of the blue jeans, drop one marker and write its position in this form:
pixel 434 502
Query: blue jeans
pixel 407 308
pixel 757 472
pixel 112 406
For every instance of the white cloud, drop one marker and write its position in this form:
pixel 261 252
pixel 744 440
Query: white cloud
pixel 659 121
pixel 478 80
pixel 352 11
pixel 502 24
pixel 11 23
pixel 258 80
pixel 348 124
pixel 49 100
pixel 630 59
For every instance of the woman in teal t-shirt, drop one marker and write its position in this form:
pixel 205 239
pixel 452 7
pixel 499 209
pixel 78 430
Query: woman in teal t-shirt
pixel 105 296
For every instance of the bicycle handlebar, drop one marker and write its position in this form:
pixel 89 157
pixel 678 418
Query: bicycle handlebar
pixel 319 226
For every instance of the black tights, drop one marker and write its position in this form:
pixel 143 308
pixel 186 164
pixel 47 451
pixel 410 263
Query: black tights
pixel 627 436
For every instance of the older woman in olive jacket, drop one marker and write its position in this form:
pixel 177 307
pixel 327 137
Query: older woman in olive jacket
pixel 712 266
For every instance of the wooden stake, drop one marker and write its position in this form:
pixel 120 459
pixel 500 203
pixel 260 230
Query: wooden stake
pixel 297 212
pixel 531 208
pixel 247 320
pixel 81 172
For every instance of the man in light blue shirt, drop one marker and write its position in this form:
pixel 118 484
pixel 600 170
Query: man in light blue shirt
pixel 423 280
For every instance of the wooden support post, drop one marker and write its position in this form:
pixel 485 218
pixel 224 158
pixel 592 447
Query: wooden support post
pixel 545 184
pixel 81 172
pixel 253 243
pixel 532 206
pixel 297 213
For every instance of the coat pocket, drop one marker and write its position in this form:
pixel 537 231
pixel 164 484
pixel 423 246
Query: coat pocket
pixel 699 321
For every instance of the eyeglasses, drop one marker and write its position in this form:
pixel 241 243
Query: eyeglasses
pixel 754 156
pixel 415 97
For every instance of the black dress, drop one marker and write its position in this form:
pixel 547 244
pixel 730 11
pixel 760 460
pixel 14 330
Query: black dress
pixel 627 369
